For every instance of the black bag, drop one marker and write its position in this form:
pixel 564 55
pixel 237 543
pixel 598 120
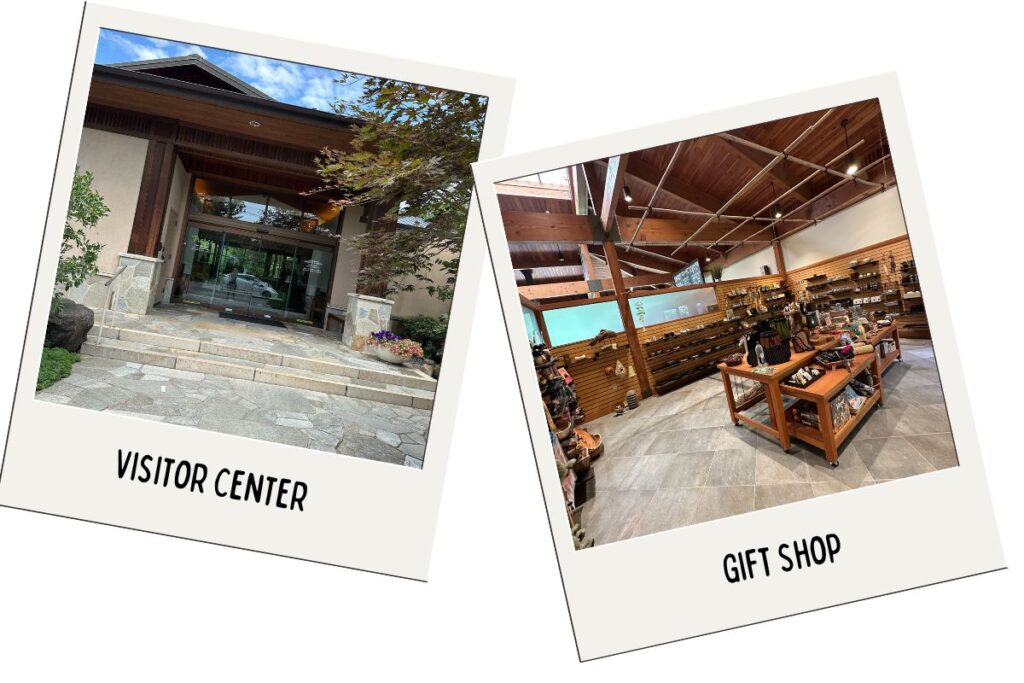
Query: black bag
pixel 774 347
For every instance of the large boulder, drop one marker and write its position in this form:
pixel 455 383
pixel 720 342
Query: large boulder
pixel 68 328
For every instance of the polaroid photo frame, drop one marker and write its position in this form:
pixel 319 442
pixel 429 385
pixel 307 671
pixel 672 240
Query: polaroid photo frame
pixel 701 578
pixel 331 508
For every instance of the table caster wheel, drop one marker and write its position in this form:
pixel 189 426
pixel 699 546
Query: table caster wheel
pixel 834 464
pixel 737 423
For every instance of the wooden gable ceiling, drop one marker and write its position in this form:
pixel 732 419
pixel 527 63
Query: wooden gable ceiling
pixel 686 221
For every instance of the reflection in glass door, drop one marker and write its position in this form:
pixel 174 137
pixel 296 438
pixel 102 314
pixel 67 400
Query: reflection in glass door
pixel 250 275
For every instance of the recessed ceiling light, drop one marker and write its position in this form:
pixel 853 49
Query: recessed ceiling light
pixel 255 124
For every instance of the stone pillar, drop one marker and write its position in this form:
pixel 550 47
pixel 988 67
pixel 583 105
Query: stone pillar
pixel 133 289
pixel 365 314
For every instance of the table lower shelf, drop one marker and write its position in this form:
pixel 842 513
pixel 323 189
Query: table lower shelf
pixel 816 437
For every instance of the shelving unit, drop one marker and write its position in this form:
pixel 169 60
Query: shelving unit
pixel 671 360
pixel 913 322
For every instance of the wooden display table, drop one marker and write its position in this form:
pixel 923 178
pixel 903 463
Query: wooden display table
pixel 772 392
pixel 890 332
pixel 784 429
pixel 821 392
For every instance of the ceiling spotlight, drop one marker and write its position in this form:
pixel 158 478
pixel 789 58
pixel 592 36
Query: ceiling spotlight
pixel 254 123
pixel 561 256
pixel 707 256
pixel 851 161
pixel 626 194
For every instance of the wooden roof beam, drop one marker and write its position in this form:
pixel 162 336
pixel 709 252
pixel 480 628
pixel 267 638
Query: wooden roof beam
pixel 648 174
pixel 559 289
pixel 526 226
pixel 756 160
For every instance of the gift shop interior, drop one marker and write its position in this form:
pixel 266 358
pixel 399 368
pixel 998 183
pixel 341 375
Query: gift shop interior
pixel 727 323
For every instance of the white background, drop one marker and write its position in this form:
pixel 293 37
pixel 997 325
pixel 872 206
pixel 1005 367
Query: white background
pixel 77 598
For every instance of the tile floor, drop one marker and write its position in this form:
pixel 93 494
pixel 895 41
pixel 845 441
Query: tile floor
pixel 679 460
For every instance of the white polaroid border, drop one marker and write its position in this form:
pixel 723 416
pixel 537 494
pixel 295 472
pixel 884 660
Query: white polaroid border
pixel 357 513
pixel 670 586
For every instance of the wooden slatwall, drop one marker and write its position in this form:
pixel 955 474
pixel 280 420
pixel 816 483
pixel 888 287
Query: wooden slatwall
pixel 596 392
pixel 721 288
pixel 840 266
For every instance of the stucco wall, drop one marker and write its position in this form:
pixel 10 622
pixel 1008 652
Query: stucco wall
pixel 346 266
pixel 419 301
pixel 346 270
pixel 116 162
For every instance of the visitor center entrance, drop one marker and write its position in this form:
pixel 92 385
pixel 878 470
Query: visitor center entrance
pixel 257 275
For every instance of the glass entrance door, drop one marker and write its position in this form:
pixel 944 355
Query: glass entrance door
pixel 251 275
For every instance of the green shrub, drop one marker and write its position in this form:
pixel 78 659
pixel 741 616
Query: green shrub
pixel 429 332
pixel 77 254
pixel 55 366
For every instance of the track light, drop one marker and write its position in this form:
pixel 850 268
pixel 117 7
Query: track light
pixel 626 194
pixel 561 256
pixel 851 161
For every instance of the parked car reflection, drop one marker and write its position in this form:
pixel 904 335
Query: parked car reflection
pixel 247 283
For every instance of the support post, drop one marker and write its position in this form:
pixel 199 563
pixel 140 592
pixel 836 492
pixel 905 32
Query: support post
pixel 780 262
pixel 154 191
pixel 635 350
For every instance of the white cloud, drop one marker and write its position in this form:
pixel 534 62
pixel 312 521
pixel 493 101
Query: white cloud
pixel 298 84
pixel 139 48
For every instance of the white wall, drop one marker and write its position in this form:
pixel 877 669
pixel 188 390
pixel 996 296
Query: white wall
pixel 116 162
pixel 868 222
pixel 750 266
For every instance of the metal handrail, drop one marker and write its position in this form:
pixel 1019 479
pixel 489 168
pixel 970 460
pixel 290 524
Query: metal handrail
pixel 106 302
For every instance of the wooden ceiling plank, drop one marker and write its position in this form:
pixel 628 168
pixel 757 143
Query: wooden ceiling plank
pixel 756 161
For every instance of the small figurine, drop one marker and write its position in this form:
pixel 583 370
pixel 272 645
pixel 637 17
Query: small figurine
pixel 759 350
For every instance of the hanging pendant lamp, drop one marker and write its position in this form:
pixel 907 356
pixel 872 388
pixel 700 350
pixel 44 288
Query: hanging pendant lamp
pixel 851 161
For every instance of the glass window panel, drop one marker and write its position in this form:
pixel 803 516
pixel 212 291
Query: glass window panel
pixel 533 332
pixel 576 323
pixel 660 308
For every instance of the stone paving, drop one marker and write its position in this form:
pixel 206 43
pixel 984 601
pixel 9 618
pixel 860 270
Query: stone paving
pixel 269 412
pixel 678 459
pixel 297 417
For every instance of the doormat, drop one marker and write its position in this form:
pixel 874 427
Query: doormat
pixel 252 319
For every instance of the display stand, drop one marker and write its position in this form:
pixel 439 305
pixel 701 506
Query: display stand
pixel 829 437
pixel 772 392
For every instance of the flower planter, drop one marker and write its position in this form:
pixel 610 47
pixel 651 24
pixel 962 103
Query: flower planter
pixel 387 356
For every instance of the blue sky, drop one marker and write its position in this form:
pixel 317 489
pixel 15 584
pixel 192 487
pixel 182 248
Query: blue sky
pixel 298 84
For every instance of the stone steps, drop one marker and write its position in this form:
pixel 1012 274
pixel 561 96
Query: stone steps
pixel 190 355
